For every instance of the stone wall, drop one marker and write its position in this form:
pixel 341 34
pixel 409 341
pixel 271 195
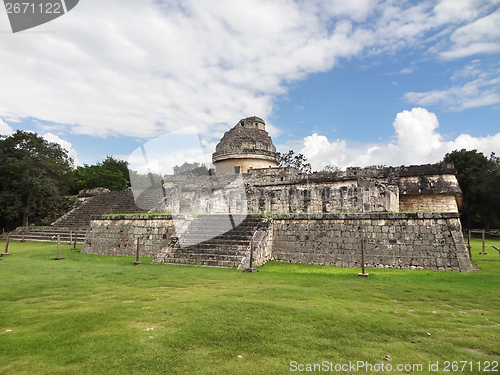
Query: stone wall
pixel 323 197
pixel 263 246
pixel 391 240
pixel 118 234
pixel 246 163
pixel 427 203
pixel 424 188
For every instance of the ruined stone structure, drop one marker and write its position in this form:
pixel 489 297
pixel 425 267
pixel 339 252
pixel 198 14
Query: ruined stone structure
pixel 246 146
pixel 90 203
pixel 406 217
pixel 119 234
pixel 422 188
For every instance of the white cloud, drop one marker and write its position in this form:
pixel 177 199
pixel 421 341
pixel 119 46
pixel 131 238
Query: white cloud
pixel 64 144
pixel 416 141
pixel 5 129
pixel 477 93
pixel 408 70
pixel 143 68
pixel 469 70
pixel 480 36
pixel 455 11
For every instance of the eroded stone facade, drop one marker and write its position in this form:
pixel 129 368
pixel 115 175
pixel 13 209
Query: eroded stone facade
pixel 428 188
pixel 245 147
pixel 391 240
pixel 407 217
pixel 119 234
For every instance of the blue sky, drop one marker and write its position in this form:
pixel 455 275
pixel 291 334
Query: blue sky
pixel 346 83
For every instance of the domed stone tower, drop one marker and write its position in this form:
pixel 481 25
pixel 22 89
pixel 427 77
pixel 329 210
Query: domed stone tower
pixel 247 145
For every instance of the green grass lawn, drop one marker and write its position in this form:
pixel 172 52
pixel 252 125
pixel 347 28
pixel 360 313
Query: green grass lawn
pixel 92 314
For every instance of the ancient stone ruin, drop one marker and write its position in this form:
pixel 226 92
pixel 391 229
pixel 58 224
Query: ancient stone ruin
pixel 246 146
pixel 406 217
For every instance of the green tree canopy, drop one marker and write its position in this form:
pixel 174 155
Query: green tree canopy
pixel 144 181
pixel 112 164
pixel 33 171
pixel 111 173
pixel 298 161
pixel 195 167
pixel 479 179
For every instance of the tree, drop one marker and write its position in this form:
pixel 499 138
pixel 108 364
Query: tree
pixel 111 173
pixel 33 171
pixel 112 164
pixel 298 161
pixel 479 179
pixel 196 168
pixel 144 181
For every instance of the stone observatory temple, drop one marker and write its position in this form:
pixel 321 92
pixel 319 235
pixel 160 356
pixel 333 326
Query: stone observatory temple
pixel 244 147
pixel 252 211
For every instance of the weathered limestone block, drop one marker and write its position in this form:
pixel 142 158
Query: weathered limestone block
pixel 398 240
pixel 118 235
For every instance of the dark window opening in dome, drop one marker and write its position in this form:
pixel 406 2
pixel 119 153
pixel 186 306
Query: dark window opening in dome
pixel 237 170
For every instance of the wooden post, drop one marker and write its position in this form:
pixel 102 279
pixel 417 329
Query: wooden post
pixel 7 246
pixel 74 244
pixel 363 274
pixel 251 268
pixel 251 253
pixel 468 245
pixel 362 257
pixel 58 247
pixel 137 262
pixel 483 244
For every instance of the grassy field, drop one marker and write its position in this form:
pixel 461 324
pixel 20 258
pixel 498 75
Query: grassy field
pixel 91 314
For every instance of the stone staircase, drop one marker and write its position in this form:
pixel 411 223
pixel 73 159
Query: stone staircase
pixel 200 244
pixel 48 234
pixel 77 221
pixel 113 202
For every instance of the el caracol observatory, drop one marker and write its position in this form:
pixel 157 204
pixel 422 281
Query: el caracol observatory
pixel 246 146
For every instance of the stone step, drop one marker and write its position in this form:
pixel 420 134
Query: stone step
pixel 102 203
pixel 63 240
pixel 223 250
pixel 229 238
pixel 210 250
pixel 204 263
pixel 48 234
pixel 207 256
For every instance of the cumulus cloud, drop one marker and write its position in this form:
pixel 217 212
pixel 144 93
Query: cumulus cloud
pixel 416 141
pixel 5 129
pixel 139 69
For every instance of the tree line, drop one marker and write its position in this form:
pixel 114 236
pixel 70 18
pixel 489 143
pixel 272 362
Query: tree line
pixel 39 181
pixel 479 179
pixel 38 177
